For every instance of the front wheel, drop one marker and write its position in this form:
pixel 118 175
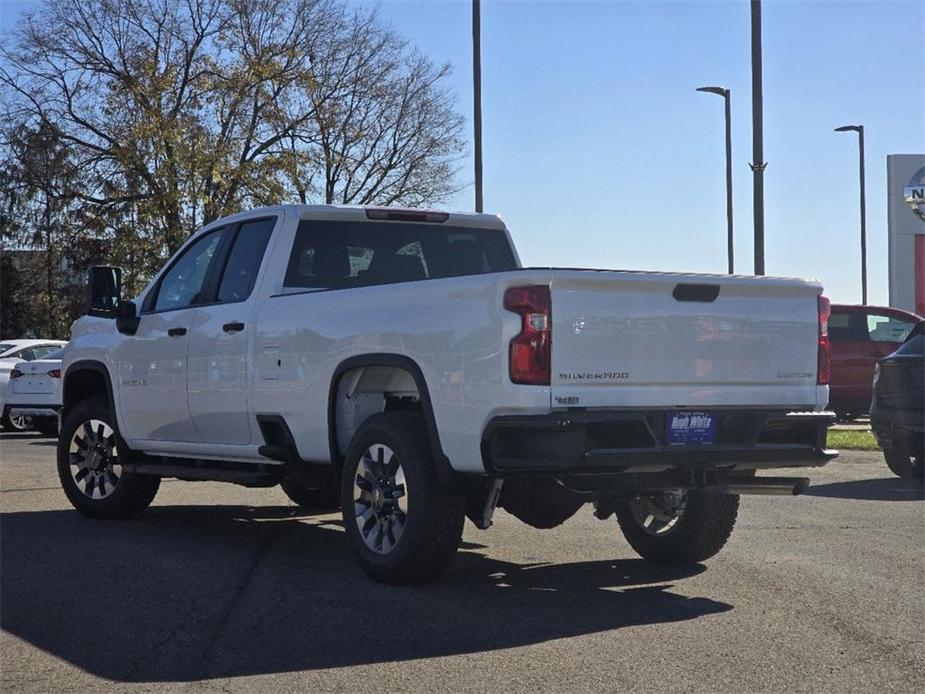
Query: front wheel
pixel 90 465
pixel 679 526
pixel 403 527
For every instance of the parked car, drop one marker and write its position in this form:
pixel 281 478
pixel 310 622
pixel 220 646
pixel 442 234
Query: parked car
pixel 860 336
pixel 401 364
pixel 897 411
pixel 11 353
pixel 34 391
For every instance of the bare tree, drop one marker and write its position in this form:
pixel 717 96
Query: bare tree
pixel 382 120
pixel 179 111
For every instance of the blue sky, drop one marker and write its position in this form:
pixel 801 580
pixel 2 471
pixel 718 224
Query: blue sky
pixel 598 151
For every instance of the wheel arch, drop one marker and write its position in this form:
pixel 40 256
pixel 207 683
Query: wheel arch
pixel 398 363
pixel 84 379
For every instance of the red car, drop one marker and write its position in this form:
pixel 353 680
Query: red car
pixel 860 336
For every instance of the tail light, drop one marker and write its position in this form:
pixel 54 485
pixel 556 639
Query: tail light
pixel 530 351
pixel 824 372
pixel 16 373
pixel 55 373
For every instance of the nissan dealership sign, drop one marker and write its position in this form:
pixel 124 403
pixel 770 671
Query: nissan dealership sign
pixel 906 212
pixel 914 193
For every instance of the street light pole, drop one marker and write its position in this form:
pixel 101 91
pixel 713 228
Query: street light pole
pixel 859 129
pixel 758 162
pixel 723 92
pixel 477 99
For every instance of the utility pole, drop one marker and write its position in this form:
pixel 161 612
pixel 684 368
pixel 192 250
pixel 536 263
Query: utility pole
pixel 477 99
pixel 758 164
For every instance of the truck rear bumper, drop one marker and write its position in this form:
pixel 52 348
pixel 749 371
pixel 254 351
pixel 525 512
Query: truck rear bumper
pixel 603 441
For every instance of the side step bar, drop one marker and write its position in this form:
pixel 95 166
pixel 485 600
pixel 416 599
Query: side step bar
pixel 246 478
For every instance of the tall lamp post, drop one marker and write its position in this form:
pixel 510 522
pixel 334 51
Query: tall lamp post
pixel 859 129
pixel 758 163
pixel 477 99
pixel 723 92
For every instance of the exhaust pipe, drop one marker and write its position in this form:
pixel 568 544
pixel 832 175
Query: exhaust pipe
pixel 787 486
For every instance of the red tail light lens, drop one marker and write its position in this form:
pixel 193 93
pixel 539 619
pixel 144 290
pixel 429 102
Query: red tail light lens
pixel 530 352
pixel 55 373
pixel 824 372
pixel 16 373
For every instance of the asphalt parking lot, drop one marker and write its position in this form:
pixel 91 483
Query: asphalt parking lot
pixel 232 589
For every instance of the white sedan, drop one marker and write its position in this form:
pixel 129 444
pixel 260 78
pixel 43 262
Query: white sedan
pixel 12 353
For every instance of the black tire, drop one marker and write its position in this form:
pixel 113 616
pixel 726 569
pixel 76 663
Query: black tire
pixel 700 532
pixel 130 493
pixel 903 464
pixel 8 423
pixel 47 425
pixel 321 500
pixel 433 519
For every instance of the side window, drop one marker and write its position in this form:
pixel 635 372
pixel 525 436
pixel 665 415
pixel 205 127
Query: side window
pixel 181 285
pixel 244 260
pixel 888 328
pixel 324 261
pixel 841 328
pixel 24 354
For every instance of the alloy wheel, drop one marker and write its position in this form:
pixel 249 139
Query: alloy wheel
pixel 658 514
pixel 94 459
pixel 21 422
pixel 380 495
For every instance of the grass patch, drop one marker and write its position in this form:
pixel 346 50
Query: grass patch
pixel 852 440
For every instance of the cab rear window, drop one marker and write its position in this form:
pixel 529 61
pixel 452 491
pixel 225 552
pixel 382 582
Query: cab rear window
pixel 341 255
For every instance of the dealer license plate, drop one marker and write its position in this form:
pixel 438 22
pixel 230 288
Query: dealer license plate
pixel 690 428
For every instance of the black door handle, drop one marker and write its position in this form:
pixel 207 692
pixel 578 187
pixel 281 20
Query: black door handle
pixel 233 327
pixel 176 332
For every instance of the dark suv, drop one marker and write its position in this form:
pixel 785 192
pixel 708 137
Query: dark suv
pixel 860 336
pixel 897 411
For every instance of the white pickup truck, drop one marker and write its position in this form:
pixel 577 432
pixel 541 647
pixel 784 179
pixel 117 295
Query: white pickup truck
pixel 402 365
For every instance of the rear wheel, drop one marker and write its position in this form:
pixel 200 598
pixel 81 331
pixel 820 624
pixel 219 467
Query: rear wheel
pixel 90 468
pixel 403 527
pixel 17 423
pixel 679 526
pixel 903 464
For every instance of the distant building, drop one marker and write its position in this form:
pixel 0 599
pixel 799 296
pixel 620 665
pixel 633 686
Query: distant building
pixel 906 220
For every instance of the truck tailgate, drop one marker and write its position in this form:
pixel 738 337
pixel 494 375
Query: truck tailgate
pixel 636 339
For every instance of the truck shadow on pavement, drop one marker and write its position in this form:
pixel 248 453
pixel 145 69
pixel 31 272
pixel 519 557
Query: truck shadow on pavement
pixel 189 593
pixel 878 489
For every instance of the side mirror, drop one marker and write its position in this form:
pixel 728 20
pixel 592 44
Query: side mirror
pixel 104 290
pixel 127 319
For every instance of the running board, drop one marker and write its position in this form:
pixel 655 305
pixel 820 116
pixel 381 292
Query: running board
pixel 202 473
